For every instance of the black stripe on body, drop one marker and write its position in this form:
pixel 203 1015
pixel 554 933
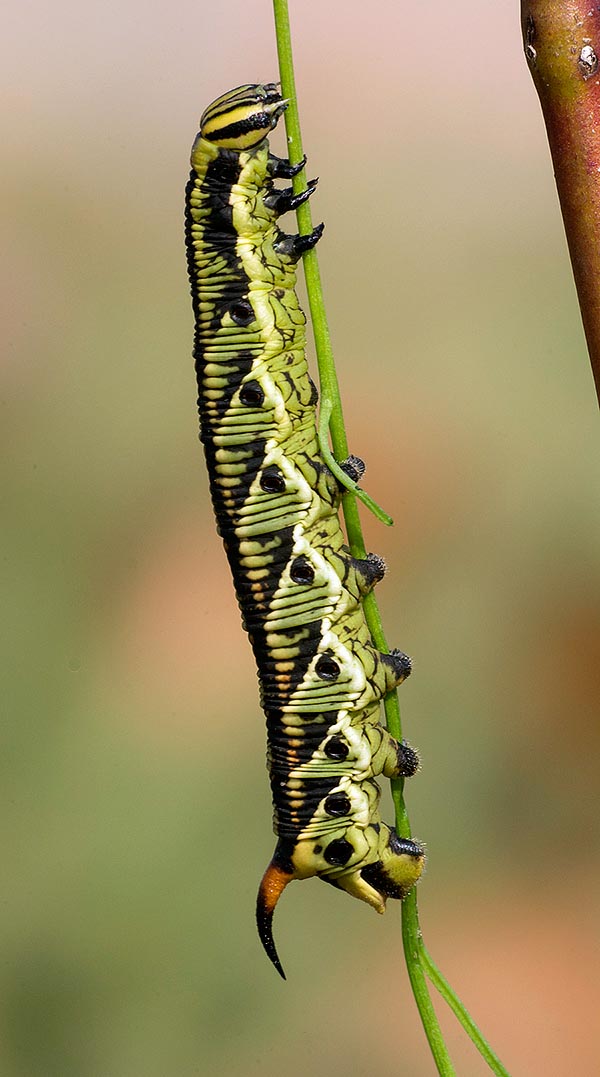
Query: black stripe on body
pixel 260 121
pixel 218 242
pixel 288 749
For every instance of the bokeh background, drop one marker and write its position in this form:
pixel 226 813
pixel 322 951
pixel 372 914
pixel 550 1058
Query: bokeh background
pixel 135 811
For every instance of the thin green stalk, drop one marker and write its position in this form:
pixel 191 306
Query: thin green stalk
pixel 418 961
pixel 330 390
pixel 440 982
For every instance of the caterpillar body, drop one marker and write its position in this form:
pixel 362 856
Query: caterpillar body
pixel 276 504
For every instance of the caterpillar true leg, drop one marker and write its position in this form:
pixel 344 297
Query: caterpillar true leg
pixel 276 502
pixel 280 167
pixel 294 246
pixel 284 200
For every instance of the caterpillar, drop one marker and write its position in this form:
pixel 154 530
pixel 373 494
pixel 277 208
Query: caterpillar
pixel 276 504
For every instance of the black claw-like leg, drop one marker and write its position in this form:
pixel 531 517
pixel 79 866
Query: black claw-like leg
pixel 280 167
pixel 295 246
pixel 284 200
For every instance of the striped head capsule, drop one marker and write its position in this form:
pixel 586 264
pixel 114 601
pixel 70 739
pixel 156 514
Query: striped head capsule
pixel 242 117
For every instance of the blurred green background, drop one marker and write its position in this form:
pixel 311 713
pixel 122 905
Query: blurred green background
pixel 135 807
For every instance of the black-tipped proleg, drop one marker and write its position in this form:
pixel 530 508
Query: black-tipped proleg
pixel 408 760
pixel 369 571
pixel 376 567
pixel 402 662
pixel 384 875
pixel 353 467
pixel 397 667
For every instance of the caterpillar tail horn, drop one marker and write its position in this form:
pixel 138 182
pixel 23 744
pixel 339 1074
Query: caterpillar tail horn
pixel 273 883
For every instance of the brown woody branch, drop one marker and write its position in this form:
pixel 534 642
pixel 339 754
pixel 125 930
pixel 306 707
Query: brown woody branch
pixel 562 48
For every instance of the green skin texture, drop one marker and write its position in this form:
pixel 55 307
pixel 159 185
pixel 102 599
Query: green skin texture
pixel 291 625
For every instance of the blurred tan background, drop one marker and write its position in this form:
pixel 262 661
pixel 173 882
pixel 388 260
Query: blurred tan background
pixel 135 807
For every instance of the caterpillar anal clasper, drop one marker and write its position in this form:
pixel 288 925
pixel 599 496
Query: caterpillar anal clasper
pixel 276 504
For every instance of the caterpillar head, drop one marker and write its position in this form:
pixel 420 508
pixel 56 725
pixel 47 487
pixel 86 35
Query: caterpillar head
pixel 242 117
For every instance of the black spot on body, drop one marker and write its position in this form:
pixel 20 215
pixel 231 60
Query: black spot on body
pixel 336 748
pixel 327 668
pixel 338 852
pixel 337 804
pixel 241 312
pixel 301 571
pixel 252 394
pixel 272 481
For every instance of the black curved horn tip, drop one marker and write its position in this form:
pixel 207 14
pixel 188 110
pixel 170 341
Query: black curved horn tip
pixel 264 920
pixel 277 963
pixel 273 883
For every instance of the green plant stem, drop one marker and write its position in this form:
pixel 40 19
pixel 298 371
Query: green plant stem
pixel 418 962
pixel 324 428
pixel 440 982
pixel 330 390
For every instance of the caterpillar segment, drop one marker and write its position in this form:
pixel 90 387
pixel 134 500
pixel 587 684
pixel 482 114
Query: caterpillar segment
pixel 276 504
